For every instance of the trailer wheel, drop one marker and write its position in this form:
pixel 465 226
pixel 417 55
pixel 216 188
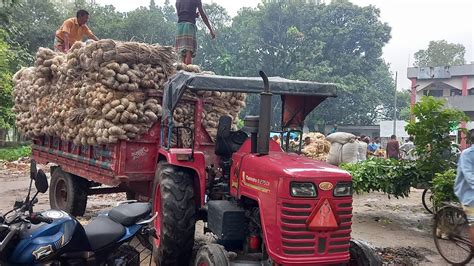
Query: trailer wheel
pixel 68 192
pixel 211 255
pixel 173 199
pixel 363 254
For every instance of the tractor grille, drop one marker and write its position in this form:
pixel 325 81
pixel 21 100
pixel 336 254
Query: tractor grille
pixel 298 241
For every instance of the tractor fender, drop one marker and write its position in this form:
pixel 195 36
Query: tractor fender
pixel 197 166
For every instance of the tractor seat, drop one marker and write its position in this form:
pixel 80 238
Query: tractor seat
pixel 130 214
pixel 102 231
pixel 227 141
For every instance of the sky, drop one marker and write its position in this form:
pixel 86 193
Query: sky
pixel 414 24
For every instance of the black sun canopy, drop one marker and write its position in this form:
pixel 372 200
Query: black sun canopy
pixel 299 98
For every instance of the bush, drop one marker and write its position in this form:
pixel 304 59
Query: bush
pixel 14 153
pixel 443 187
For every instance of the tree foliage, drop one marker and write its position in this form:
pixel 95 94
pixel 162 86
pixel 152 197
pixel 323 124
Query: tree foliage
pixel 6 59
pixel 440 53
pixel 338 42
pixel 431 130
pixel 394 177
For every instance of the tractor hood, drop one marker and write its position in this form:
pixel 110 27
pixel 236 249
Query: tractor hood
pixel 281 164
pixel 299 166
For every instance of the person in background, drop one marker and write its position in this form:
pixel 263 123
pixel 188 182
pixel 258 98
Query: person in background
pixel 334 129
pixel 393 148
pixel 276 139
pixel 373 146
pixel 186 42
pixel 362 148
pixel 464 184
pixel 73 30
pixel 407 149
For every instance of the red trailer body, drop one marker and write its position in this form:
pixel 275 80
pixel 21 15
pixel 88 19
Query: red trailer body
pixel 130 165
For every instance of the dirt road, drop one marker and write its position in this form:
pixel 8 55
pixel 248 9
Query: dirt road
pixel 399 228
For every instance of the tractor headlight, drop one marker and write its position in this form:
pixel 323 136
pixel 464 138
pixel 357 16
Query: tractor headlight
pixel 343 189
pixel 303 189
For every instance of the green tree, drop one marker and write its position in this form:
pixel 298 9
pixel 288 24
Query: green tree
pixel 7 57
pixel 33 23
pixel 431 130
pixel 440 53
pixel 212 54
pixel 4 5
pixel 403 106
pixel 339 42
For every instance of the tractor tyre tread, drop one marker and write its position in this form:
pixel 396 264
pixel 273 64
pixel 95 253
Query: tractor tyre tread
pixel 362 254
pixel 178 216
pixel 213 255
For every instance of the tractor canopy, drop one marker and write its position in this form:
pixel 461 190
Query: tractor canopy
pixel 299 98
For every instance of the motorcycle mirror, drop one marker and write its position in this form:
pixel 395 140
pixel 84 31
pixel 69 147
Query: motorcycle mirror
pixel 41 182
pixel 33 169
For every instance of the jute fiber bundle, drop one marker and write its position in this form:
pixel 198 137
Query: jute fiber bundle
pixel 98 93
pixel 319 147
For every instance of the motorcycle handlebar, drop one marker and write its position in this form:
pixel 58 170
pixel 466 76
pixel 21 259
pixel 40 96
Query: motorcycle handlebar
pixel 36 218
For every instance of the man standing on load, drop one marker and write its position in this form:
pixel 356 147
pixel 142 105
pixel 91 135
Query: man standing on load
pixel 186 43
pixel 73 30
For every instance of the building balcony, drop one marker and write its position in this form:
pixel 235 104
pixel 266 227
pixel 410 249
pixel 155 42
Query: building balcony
pixel 463 103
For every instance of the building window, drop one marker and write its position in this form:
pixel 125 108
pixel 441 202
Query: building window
pixel 455 92
pixel 470 91
pixel 434 93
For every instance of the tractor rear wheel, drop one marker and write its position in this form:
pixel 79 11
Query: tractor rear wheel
pixel 363 254
pixel 68 192
pixel 173 199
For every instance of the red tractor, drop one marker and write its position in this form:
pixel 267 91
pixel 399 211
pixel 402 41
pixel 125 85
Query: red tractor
pixel 262 204
pixel 265 206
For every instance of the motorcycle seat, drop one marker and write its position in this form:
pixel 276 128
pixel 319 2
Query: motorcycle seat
pixel 102 231
pixel 130 214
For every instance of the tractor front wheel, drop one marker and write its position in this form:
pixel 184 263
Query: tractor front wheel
pixel 363 254
pixel 211 255
pixel 173 199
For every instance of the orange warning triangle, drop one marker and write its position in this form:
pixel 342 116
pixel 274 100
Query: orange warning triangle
pixel 324 218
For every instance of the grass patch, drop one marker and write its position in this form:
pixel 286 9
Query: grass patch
pixel 14 153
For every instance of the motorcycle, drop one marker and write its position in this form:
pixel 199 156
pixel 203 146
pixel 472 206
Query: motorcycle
pixel 54 237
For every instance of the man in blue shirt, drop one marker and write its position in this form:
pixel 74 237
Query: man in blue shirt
pixel 373 146
pixel 464 183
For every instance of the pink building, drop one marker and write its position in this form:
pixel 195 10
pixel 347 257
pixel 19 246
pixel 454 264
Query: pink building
pixel 454 83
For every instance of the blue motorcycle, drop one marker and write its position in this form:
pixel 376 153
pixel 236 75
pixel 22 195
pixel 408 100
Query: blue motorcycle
pixel 54 237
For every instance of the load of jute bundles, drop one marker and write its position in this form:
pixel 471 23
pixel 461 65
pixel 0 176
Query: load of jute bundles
pixel 95 94
pixel 216 104
pixel 319 147
pixel 343 149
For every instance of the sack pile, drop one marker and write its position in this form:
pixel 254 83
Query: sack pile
pixel 344 148
pixel 319 147
pixel 99 93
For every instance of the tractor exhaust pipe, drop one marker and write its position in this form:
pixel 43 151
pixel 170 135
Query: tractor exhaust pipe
pixel 263 141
